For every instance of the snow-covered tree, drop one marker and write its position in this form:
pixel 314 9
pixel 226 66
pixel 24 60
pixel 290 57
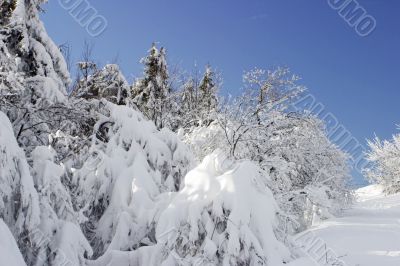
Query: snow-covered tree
pixel 33 81
pixel 19 201
pixel 385 163
pixel 308 173
pixel 267 90
pixel 132 164
pixel 208 89
pixel 37 208
pixel 107 83
pixel 199 99
pixel 223 216
pixel 150 91
pixel 33 74
pixel 25 41
pixel 266 94
pixel 207 224
pixel 61 240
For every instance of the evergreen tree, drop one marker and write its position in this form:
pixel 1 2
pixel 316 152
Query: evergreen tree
pixel 188 103
pixel 150 92
pixel 33 74
pixel 33 82
pixel 19 204
pixel 208 93
pixel 199 100
pixel 108 83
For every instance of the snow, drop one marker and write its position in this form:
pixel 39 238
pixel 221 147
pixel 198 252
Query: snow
pixel 222 216
pixel 136 171
pixel 369 233
pixel 9 252
pixel 16 182
pixel 70 242
pixel 303 262
pixel 90 180
pixel 217 186
pixel 49 59
pixel 384 163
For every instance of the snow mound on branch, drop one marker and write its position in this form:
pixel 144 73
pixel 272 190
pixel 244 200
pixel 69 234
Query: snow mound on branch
pixel 222 216
pixel 8 247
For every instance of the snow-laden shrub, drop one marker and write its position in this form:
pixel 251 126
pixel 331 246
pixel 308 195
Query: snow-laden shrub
pixel 204 140
pixel 132 163
pixel 37 207
pixel 222 216
pixel 59 234
pixel 106 83
pixel 33 77
pixel 385 163
pixel 308 173
pixel 19 201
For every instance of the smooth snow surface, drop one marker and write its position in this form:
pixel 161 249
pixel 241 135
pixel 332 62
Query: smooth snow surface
pixel 8 248
pixel 369 233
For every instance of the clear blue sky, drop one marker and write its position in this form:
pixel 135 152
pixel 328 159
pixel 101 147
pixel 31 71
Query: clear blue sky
pixel 356 78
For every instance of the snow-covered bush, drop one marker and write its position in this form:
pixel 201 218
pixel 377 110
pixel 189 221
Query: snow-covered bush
pixel 37 208
pixel 308 173
pixel 19 201
pixel 385 163
pixel 223 215
pixel 133 162
pixel 33 77
pixel 107 83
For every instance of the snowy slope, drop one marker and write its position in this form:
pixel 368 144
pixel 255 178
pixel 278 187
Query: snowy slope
pixel 366 235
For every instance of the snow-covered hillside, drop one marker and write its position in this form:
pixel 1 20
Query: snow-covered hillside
pixel 366 235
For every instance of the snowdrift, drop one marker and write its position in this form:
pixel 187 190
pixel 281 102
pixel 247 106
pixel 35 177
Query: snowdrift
pixel 9 251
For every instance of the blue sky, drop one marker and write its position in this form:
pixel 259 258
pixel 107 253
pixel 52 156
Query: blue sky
pixel 356 78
